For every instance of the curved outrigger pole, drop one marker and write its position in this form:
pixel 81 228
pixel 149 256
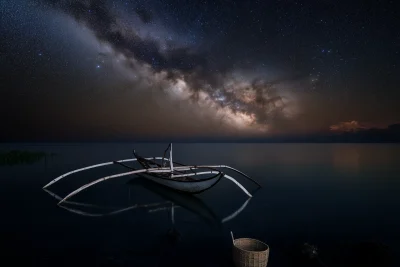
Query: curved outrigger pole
pixel 167 169
pixel 153 170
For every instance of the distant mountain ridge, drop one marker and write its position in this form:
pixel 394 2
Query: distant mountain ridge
pixel 391 134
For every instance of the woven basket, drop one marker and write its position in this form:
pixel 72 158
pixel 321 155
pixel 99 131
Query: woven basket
pixel 248 252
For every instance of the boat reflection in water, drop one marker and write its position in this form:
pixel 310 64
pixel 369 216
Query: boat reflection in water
pixel 167 247
pixel 173 200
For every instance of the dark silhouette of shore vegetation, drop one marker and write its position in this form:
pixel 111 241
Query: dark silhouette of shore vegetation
pixel 17 157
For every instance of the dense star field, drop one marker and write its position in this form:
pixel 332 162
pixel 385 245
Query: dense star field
pixel 79 69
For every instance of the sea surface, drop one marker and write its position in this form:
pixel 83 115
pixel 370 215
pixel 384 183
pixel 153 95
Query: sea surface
pixel 344 199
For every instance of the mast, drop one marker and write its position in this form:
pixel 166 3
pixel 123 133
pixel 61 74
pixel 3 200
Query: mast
pixel 170 158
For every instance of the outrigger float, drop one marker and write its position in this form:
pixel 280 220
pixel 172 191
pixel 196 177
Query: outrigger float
pixel 166 172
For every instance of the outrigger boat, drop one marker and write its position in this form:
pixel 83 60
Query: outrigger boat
pixel 166 172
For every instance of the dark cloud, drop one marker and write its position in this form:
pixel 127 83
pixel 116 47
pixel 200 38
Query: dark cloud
pixel 347 126
pixel 94 13
pixel 144 14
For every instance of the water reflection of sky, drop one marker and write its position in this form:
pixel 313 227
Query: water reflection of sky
pixel 346 158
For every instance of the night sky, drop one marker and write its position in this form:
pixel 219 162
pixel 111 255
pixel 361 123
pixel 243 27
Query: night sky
pixel 100 69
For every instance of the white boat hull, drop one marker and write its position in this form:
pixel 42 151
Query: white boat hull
pixel 192 187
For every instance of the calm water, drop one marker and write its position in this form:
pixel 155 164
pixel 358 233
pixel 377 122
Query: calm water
pixel 342 198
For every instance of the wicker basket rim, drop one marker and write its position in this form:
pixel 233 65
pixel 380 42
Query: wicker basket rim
pixel 252 251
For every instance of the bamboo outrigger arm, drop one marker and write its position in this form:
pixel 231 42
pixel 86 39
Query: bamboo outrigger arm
pixel 153 158
pixel 152 170
pixel 216 171
pixel 157 170
pixel 87 168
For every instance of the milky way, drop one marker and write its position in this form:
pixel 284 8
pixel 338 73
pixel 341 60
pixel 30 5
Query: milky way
pixel 181 69
pixel 244 68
